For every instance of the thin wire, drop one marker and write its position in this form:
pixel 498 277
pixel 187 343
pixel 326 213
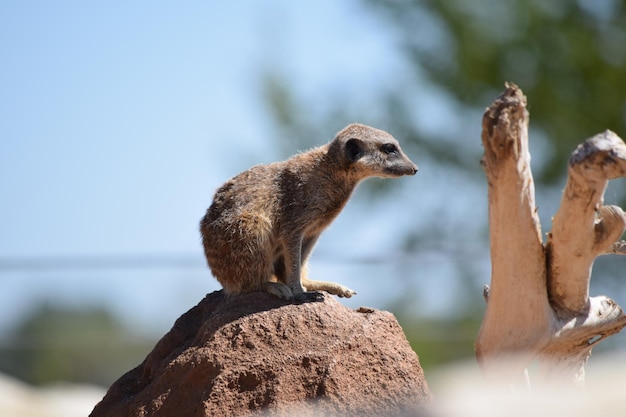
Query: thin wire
pixel 193 261
pixel 100 262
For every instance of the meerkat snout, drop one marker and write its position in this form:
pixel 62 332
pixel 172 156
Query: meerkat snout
pixel 263 223
pixel 398 164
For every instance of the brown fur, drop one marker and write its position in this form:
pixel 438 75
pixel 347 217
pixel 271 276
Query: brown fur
pixel 263 223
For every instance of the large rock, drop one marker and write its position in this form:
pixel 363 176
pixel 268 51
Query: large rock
pixel 232 356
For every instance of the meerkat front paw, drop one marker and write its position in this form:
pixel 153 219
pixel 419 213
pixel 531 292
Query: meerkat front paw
pixel 344 292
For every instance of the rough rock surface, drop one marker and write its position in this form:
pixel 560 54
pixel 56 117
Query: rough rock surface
pixel 237 356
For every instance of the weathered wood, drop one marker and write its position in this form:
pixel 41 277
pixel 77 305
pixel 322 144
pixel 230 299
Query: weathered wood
pixel 514 230
pixel 583 228
pixel 538 304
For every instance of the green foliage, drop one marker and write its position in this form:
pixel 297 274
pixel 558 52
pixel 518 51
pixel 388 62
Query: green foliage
pixel 441 341
pixel 569 57
pixel 60 344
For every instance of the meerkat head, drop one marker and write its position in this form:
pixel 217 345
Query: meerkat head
pixel 371 152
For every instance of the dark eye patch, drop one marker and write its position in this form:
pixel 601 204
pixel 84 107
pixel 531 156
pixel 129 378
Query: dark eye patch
pixel 389 148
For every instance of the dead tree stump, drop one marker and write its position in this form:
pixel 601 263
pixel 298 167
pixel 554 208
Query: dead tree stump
pixel 538 304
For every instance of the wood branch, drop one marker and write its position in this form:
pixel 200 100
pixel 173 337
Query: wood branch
pixel 538 304
pixel 583 228
pixel 564 358
pixel 617 248
pixel 517 255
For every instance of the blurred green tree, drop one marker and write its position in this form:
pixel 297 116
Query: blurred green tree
pixel 569 57
pixel 56 343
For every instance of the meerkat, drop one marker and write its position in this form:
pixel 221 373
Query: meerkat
pixel 263 223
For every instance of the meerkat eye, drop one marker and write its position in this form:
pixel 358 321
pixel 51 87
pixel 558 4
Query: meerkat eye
pixel 389 148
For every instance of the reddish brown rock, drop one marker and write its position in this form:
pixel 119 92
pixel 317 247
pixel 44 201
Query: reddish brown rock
pixel 235 356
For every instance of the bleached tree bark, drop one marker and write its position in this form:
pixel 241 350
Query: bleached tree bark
pixel 538 304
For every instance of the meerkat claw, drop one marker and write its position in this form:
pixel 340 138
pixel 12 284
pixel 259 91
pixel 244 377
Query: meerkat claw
pixel 346 293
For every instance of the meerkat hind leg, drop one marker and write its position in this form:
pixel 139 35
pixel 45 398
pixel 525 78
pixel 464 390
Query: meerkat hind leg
pixel 330 287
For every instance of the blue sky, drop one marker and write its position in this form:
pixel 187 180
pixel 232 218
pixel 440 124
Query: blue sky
pixel 119 121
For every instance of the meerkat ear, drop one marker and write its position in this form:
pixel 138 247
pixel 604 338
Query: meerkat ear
pixel 354 149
